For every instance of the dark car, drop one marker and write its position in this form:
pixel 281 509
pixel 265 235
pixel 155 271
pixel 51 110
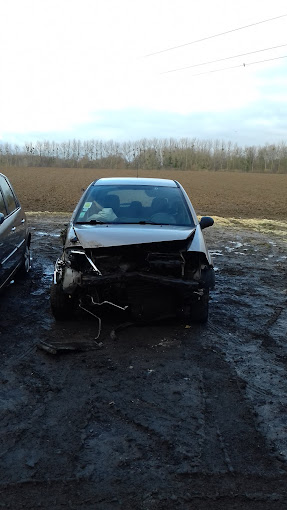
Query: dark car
pixel 14 234
pixel 134 243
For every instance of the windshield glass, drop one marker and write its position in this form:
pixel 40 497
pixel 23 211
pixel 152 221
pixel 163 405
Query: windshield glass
pixel 160 205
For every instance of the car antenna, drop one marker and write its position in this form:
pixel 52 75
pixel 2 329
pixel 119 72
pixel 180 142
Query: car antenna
pixel 137 166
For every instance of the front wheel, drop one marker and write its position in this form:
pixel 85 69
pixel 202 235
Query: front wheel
pixel 62 305
pixel 27 259
pixel 199 309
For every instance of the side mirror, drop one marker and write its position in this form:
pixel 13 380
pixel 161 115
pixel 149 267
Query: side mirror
pixel 205 222
pixel 2 218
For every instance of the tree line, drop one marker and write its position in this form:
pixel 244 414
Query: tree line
pixel 153 153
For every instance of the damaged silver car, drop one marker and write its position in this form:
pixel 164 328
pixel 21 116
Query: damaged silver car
pixel 136 244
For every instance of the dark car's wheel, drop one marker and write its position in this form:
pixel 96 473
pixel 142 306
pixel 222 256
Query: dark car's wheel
pixel 62 305
pixel 26 261
pixel 26 265
pixel 199 308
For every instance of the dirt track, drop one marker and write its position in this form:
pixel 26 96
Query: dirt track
pixel 166 416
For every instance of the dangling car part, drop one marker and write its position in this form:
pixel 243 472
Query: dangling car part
pixel 136 243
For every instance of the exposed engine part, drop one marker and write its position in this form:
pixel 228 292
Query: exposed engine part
pixel 79 252
pixel 108 303
pixel 183 264
pixel 71 280
pixel 96 317
pixel 166 263
pixel 58 273
pixel 94 303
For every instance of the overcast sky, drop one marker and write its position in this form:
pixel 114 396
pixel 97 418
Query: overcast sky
pixel 84 69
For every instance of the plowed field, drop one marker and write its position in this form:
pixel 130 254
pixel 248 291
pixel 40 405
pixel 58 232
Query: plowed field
pixel 224 194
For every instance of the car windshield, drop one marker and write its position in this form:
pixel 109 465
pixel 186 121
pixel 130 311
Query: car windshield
pixel 134 204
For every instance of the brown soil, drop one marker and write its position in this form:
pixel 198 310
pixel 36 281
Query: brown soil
pixel 212 193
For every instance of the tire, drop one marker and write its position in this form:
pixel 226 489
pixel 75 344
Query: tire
pixel 26 266
pixel 26 261
pixel 199 309
pixel 62 305
pixel 208 278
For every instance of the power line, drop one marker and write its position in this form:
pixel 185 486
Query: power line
pixel 215 35
pixel 221 59
pixel 239 65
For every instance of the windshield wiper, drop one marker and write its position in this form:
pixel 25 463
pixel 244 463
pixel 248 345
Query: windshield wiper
pixel 91 222
pixel 143 222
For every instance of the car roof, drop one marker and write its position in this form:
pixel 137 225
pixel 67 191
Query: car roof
pixel 142 181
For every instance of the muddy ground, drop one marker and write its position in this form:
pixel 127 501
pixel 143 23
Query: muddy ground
pixel 167 416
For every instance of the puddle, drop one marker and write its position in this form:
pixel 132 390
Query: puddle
pixel 236 244
pixel 47 276
pixel 216 253
pixel 42 234
pixel 38 292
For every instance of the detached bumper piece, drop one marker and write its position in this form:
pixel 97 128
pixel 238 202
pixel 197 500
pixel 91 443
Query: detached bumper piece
pixel 58 347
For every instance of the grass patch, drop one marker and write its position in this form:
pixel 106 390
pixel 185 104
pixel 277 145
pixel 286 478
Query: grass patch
pixel 263 226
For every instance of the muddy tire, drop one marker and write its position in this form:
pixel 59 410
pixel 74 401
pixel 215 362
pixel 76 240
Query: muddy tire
pixel 62 305
pixel 199 309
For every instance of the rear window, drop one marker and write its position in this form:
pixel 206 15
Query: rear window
pixel 162 205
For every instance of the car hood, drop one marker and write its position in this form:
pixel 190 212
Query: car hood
pixel 96 236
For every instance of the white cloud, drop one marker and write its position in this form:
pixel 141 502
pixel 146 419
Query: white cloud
pixel 66 64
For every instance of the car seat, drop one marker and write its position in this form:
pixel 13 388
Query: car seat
pixel 160 212
pixel 113 202
pixel 135 209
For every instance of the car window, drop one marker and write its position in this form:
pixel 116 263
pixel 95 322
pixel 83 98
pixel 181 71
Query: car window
pixel 2 205
pixel 9 197
pixel 134 204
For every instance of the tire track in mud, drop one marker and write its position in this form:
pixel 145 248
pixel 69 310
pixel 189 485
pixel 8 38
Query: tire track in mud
pixel 231 418
pixel 38 433
pixel 144 420
pixel 265 384
pixel 215 494
pixel 213 429
pixel 143 470
pixel 254 343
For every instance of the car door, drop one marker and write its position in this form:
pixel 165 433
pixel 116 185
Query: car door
pixel 6 243
pixel 12 231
